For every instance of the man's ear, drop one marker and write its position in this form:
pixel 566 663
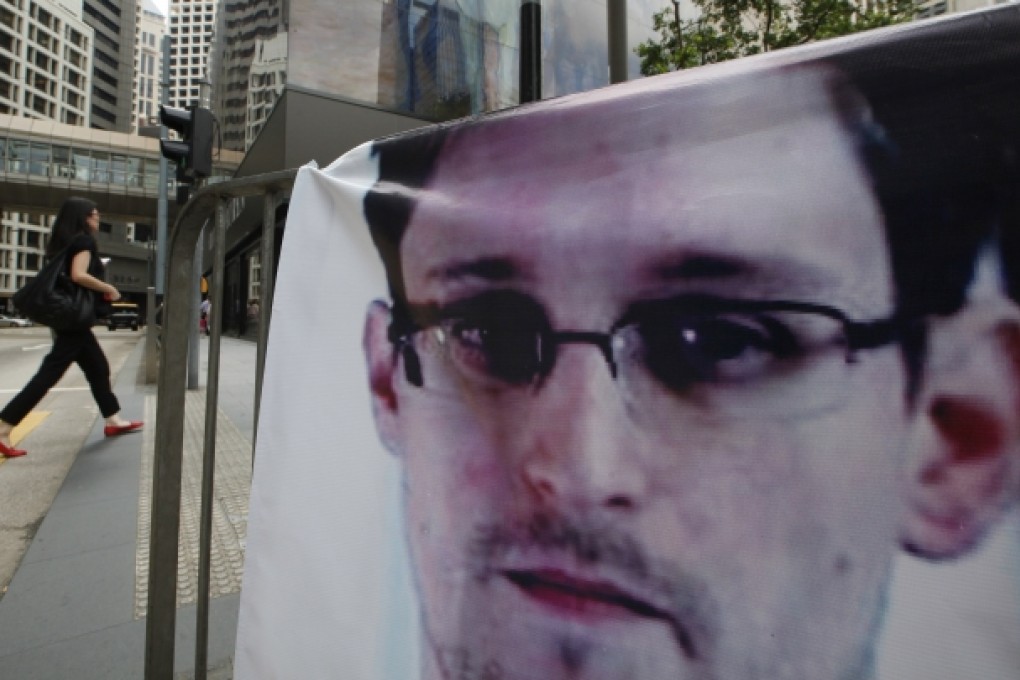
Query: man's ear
pixel 963 469
pixel 382 368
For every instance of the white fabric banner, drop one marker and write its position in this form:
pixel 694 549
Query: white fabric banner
pixel 709 376
pixel 326 590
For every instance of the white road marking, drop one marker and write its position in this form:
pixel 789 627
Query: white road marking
pixel 32 348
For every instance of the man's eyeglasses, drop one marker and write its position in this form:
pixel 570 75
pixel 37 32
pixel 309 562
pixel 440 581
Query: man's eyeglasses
pixel 725 356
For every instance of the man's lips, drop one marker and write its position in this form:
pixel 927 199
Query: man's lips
pixel 591 599
pixel 561 589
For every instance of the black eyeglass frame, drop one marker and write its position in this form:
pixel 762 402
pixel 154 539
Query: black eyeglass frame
pixel 407 319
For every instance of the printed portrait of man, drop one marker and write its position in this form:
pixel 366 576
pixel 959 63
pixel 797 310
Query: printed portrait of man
pixel 655 368
pixel 707 376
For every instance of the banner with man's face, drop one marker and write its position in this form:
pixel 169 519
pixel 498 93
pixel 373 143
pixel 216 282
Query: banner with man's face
pixel 713 375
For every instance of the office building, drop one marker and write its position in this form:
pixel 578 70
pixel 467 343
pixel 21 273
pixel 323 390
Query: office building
pixel 45 73
pixel 149 32
pixel 113 65
pixel 248 63
pixel 45 61
pixel 426 59
pixel 192 25
pixel 934 8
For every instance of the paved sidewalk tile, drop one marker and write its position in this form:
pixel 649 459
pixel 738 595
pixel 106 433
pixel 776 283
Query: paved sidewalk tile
pixel 74 604
pixel 230 506
pixel 60 599
pixel 115 653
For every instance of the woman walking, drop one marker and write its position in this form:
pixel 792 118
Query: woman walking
pixel 75 226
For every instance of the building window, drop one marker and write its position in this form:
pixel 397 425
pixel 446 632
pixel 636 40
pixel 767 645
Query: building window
pixel 75 37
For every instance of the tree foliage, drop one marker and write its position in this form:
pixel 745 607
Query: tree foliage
pixel 727 29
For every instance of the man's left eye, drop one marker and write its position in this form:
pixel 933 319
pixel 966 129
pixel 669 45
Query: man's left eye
pixel 730 348
pixel 729 337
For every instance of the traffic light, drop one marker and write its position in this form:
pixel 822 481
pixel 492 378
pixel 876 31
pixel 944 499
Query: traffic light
pixel 193 153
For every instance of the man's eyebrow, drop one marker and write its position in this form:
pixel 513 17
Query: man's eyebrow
pixel 700 266
pixel 493 269
pixel 766 269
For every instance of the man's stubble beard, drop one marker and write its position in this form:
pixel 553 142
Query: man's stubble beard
pixel 694 612
pixel 690 614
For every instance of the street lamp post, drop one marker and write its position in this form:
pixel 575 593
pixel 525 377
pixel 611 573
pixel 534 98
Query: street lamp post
pixel 531 51
pixel 616 17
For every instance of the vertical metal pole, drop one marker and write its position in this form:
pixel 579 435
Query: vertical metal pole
pixel 616 18
pixel 531 51
pixel 209 456
pixel 161 613
pixel 194 340
pixel 160 624
pixel 151 362
pixel 161 207
pixel 265 300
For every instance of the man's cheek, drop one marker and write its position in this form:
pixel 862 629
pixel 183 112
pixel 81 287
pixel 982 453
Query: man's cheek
pixel 726 485
pixel 455 473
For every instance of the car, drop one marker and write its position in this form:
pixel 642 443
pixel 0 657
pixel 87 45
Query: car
pixel 13 322
pixel 123 316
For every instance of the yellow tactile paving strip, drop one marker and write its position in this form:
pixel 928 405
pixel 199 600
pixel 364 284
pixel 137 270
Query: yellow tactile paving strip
pixel 230 505
pixel 29 423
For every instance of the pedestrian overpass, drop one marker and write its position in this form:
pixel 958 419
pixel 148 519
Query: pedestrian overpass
pixel 42 162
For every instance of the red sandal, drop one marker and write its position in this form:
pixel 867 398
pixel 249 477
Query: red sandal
pixel 10 451
pixel 114 430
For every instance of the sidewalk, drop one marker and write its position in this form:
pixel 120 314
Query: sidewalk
pixel 75 607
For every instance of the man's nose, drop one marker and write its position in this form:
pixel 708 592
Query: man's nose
pixel 580 445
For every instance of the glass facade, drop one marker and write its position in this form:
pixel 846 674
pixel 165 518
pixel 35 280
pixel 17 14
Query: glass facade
pixel 436 59
pixel 94 166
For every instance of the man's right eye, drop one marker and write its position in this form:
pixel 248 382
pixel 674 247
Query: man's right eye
pixel 491 352
pixel 468 334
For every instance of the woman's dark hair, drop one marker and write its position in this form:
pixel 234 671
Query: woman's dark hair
pixel 70 222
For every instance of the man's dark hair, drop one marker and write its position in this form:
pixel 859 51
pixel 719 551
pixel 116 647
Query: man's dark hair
pixel 948 93
pixel 405 165
pixel 934 146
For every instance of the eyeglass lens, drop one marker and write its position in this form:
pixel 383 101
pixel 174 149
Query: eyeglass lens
pixel 726 356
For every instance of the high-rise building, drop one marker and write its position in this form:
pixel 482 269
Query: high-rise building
pixel 149 32
pixel 934 8
pixel 428 59
pixel 113 65
pixel 192 26
pixel 45 73
pixel 249 64
pixel 266 79
pixel 45 61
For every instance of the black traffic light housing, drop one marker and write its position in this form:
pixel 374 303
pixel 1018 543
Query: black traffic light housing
pixel 193 152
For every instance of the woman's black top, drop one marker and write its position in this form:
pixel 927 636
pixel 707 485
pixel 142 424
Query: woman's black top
pixel 96 268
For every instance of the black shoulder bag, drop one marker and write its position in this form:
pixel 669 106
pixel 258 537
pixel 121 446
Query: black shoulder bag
pixel 53 299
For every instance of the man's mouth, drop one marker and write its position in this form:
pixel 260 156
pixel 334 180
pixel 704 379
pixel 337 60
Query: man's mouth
pixel 592 600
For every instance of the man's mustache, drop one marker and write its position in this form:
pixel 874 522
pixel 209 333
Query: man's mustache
pixel 691 609
pixel 589 545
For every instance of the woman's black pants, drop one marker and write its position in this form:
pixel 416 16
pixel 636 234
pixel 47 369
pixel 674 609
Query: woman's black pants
pixel 69 347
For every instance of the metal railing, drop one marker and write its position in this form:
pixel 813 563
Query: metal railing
pixel 211 200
